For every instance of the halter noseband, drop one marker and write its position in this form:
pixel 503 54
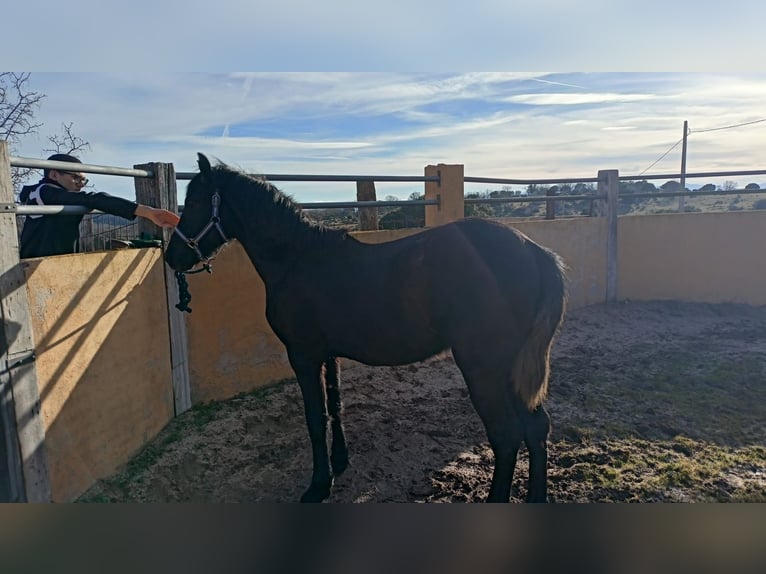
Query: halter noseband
pixel 215 222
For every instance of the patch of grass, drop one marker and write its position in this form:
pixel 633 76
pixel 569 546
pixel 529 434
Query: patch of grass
pixel 682 469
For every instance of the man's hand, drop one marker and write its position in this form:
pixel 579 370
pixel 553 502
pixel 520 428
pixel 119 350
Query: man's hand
pixel 161 217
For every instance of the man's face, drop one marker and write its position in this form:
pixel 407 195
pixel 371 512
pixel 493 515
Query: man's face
pixel 71 180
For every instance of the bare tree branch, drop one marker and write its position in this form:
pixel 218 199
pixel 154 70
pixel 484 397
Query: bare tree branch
pixel 66 141
pixel 18 106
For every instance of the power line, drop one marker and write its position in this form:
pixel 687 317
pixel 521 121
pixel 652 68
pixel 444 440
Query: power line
pixel 662 156
pixel 728 127
pixel 698 132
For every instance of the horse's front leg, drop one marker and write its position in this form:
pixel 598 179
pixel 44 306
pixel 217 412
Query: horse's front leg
pixel 309 374
pixel 339 452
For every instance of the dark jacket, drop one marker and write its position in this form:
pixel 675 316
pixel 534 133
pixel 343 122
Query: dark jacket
pixel 58 234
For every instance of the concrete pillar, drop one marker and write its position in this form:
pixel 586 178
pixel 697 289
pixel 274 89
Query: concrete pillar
pixel 449 191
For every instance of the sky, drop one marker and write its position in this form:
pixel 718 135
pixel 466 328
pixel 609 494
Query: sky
pixel 126 88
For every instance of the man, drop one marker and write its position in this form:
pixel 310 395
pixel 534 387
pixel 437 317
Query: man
pixel 58 234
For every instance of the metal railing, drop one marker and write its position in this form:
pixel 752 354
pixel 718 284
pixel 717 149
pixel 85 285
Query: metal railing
pixel 142 173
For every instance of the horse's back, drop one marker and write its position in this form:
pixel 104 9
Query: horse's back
pixel 482 258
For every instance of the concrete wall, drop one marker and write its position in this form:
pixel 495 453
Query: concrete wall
pixel 232 349
pixel 103 360
pixel 705 257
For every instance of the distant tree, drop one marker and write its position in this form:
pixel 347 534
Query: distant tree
pixel 583 188
pixel 405 216
pixel 505 191
pixel 534 189
pixel 671 186
pixel 707 187
pixel 752 186
pixel 646 186
pixel 626 187
pixel 478 209
pixel 729 185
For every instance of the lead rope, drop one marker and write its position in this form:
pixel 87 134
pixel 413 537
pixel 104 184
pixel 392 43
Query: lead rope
pixel 183 287
pixel 183 292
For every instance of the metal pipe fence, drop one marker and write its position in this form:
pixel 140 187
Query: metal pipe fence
pixel 98 230
pixel 130 172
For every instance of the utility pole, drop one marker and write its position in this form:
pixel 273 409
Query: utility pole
pixel 681 198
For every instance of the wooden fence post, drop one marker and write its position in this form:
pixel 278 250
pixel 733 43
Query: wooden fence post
pixel 609 185
pixel 550 205
pixel 449 191
pixel 161 191
pixel 23 431
pixel 368 216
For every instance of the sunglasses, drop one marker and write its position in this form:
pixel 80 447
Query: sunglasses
pixel 79 178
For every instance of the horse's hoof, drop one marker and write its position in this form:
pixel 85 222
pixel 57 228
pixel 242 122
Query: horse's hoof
pixel 316 493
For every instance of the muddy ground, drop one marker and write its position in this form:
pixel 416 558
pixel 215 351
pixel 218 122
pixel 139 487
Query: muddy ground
pixel 650 402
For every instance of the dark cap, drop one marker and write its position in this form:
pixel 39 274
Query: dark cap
pixel 60 157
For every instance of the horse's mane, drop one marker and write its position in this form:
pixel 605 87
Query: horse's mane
pixel 257 193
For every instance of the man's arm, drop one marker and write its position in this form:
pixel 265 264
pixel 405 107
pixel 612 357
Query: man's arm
pixel 161 217
pixel 52 195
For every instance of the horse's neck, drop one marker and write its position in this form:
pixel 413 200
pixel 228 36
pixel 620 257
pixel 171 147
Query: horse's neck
pixel 273 240
pixel 273 253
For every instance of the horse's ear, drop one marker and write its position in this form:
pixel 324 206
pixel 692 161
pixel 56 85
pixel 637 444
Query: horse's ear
pixel 204 165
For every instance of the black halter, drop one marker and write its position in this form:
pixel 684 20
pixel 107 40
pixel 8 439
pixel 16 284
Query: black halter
pixel 215 222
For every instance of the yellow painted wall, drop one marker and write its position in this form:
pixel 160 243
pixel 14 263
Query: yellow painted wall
pixel 232 349
pixel 103 360
pixel 705 257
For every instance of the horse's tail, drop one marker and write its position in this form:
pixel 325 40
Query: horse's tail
pixel 532 365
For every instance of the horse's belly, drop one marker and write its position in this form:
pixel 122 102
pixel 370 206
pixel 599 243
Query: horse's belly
pixel 380 350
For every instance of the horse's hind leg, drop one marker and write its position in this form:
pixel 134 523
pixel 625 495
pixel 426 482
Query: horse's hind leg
pixel 491 398
pixel 339 452
pixel 504 432
pixel 309 374
pixel 537 426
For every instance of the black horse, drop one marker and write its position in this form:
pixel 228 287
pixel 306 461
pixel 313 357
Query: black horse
pixel 488 293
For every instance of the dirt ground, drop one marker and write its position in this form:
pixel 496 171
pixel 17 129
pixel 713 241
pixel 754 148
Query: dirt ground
pixel 650 402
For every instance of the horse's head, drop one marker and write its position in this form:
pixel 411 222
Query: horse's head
pixel 200 233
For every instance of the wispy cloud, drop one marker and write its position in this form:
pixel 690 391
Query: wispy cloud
pixel 576 99
pixel 532 124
